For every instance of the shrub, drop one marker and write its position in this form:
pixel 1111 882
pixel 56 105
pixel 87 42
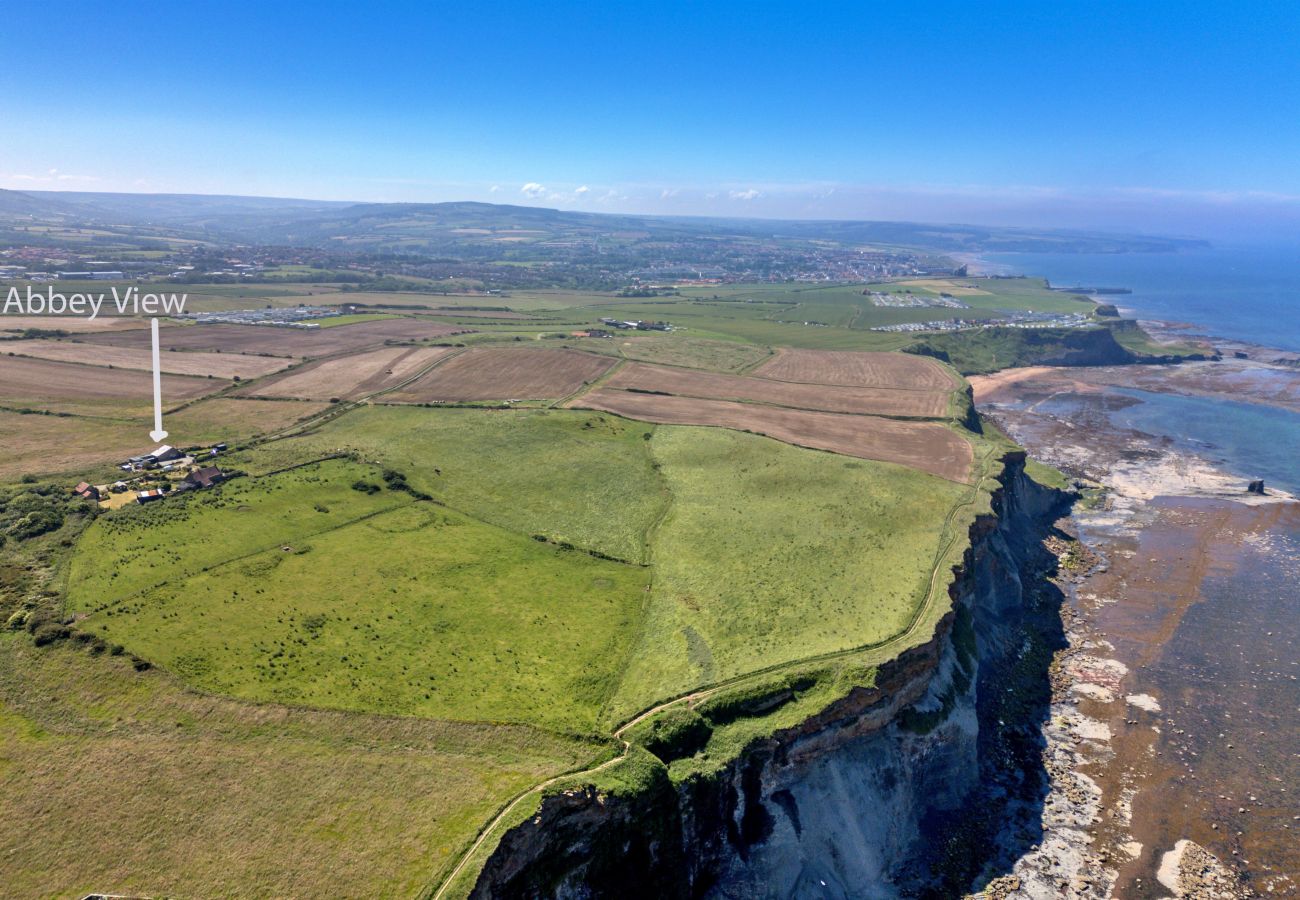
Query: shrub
pixel 677 733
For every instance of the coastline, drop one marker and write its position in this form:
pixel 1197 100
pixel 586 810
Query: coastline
pixel 1162 521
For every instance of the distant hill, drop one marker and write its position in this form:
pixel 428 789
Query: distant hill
pixel 445 227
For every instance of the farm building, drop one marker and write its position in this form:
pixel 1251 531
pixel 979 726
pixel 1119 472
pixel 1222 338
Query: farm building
pixel 149 496
pixel 205 477
pixel 161 454
pixel 86 490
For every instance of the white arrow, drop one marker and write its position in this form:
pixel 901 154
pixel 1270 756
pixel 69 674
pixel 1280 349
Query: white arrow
pixel 157 434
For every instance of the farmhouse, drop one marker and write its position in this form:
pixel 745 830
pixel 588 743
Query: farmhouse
pixel 86 490
pixel 205 477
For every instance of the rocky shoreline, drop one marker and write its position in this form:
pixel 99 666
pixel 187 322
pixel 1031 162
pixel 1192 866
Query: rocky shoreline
pixel 1103 740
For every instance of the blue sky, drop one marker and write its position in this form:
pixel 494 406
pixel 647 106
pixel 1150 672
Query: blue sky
pixel 1138 116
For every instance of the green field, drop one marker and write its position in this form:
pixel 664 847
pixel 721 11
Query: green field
pixel 113 777
pixel 584 478
pixel 768 547
pixel 297 587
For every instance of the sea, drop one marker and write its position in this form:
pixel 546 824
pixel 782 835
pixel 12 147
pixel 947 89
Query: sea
pixel 1225 668
pixel 1246 293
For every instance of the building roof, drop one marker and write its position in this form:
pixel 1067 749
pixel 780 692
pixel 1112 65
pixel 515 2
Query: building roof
pixel 207 476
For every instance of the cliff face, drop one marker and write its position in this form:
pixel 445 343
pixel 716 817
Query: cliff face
pixel 874 797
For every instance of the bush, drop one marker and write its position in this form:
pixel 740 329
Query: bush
pixel 677 733
pixel 49 633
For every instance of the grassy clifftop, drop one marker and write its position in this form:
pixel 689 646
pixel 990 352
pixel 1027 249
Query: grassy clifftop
pixel 470 572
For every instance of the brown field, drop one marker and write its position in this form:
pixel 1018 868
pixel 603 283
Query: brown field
pixel 829 398
pixel 927 446
pixel 234 419
pixel 506 373
pixel 299 342
pixel 72 324
pixel 855 369
pixel 47 445
pixel 349 376
pixel 89 390
pixel 218 365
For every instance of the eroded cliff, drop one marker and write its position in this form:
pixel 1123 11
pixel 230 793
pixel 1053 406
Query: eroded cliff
pixel 892 790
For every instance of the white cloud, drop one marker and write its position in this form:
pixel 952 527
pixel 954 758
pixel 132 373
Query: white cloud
pixel 751 194
pixel 494 189
pixel 582 190
pixel 532 190
pixel 50 176
pixel 667 193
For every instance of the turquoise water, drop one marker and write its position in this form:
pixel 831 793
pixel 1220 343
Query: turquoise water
pixel 1251 440
pixel 1249 294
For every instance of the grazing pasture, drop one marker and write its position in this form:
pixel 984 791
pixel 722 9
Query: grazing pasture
pixel 928 446
pixel 506 373
pixel 90 390
pixel 124 778
pixel 771 553
pixel 571 476
pixel 302 588
pixel 279 341
pixel 890 370
pixel 218 365
pixel 829 398
pixel 349 377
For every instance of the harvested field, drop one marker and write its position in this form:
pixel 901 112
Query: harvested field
pixel 72 324
pixel 218 365
pixel 694 353
pixel 44 445
pixel 67 387
pixel 452 312
pixel 234 419
pixel 300 342
pixel 927 446
pixel 506 373
pixel 350 376
pixel 830 398
pixel 856 369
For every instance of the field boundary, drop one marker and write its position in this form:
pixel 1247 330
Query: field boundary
pixel 704 691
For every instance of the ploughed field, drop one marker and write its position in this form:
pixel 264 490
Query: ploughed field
pixel 64 387
pixel 348 377
pixel 887 401
pixel 280 341
pixel 510 373
pixel 928 446
pixel 218 365
pixel 880 370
